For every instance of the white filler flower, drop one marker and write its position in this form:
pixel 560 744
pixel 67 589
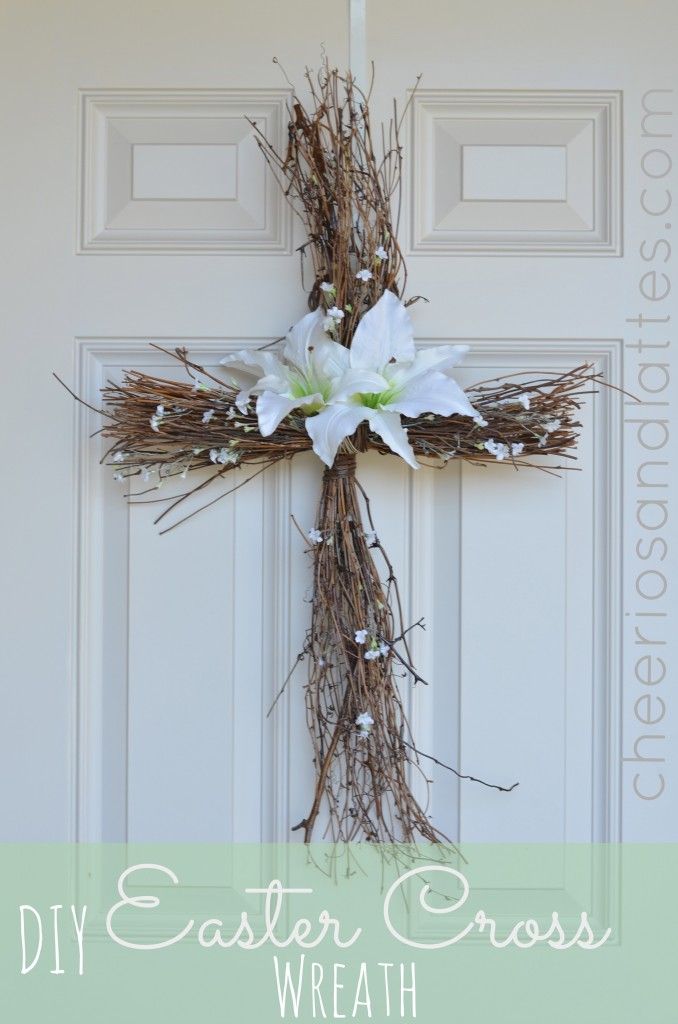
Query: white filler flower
pixel 386 378
pixel 364 721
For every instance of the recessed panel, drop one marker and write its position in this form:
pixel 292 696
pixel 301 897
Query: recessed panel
pixel 184 172
pixel 491 173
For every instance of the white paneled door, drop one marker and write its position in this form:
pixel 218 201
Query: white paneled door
pixel 138 668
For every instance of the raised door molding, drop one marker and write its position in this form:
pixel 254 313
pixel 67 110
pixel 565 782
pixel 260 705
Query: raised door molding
pixel 179 170
pixel 508 172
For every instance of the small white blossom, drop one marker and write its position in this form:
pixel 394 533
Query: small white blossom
pixel 207 415
pixel 328 288
pixel 551 426
pixel 315 536
pixel 496 448
pixel 377 649
pixel 381 254
pixel 523 400
pixel 361 636
pixel 157 418
pixel 224 456
pixel 231 414
pixel 119 456
pixel 371 537
pixel 364 275
pixel 517 449
pixel 335 313
pixel 364 721
pixel 479 421
pixel 543 440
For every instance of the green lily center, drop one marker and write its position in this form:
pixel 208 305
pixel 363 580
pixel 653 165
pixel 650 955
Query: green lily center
pixel 375 400
pixel 303 384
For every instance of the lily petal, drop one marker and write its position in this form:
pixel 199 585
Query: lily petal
pixel 392 432
pixel 384 333
pixel 306 335
pixel 434 392
pixel 254 362
pixel 331 426
pixel 331 358
pixel 356 382
pixel 272 409
pixel 437 357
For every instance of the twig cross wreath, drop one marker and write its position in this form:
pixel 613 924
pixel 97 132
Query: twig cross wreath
pixel 347 378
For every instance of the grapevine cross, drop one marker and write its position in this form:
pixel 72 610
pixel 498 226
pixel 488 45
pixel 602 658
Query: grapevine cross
pixel 318 391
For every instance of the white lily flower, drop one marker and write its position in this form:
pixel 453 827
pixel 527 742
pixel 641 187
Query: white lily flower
pixel 388 378
pixel 302 379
